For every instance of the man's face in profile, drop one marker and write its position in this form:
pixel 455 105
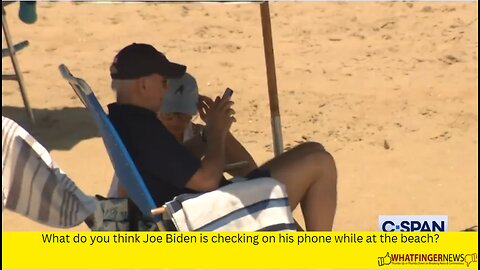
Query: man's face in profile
pixel 155 88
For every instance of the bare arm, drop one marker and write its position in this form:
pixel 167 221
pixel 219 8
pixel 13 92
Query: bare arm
pixel 235 152
pixel 196 146
pixel 209 175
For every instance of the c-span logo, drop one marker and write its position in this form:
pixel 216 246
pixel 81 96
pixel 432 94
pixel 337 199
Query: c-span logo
pixel 413 223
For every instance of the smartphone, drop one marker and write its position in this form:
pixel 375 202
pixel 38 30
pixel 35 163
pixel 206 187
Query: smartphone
pixel 228 93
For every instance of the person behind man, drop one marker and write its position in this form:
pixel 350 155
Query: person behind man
pixel 139 74
pixel 180 105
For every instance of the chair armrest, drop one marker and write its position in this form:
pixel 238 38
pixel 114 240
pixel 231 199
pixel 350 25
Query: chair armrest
pixel 17 47
pixel 236 165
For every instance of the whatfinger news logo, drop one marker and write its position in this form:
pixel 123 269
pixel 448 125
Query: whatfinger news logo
pixel 428 259
pixel 412 223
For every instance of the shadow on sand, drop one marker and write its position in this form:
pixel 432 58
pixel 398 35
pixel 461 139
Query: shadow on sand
pixel 58 129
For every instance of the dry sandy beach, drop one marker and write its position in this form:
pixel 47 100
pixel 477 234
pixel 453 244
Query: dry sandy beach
pixel 389 88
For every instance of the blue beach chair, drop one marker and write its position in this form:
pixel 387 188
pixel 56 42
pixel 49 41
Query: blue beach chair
pixel 123 165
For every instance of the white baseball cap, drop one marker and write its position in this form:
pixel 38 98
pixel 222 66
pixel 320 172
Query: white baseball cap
pixel 181 95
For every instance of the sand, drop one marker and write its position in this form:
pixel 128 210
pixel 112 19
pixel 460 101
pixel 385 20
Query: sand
pixel 390 89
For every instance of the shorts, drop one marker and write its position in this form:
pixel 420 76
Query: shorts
pixel 258 173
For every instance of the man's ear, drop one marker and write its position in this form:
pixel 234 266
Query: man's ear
pixel 141 85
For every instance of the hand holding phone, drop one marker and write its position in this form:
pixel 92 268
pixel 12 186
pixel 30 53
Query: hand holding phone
pixel 228 93
pixel 220 116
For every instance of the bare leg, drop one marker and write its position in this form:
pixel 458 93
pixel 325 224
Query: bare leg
pixel 310 176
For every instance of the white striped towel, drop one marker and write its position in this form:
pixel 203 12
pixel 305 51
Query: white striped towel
pixel 255 205
pixel 32 185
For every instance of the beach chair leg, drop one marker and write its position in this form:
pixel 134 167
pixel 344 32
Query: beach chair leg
pixel 18 74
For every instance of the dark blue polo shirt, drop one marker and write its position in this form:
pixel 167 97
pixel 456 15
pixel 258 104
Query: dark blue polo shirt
pixel 165 165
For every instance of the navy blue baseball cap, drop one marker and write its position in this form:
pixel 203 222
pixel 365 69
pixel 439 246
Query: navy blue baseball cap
pixel 138 60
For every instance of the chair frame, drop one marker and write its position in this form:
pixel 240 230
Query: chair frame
pixel 123 165
pixel 11 52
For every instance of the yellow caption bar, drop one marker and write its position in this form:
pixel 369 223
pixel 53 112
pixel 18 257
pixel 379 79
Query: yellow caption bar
pixel 239 250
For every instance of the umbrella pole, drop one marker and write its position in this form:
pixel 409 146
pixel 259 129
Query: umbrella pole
pixel 271 79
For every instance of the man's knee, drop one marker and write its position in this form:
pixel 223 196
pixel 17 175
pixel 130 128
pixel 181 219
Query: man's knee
pixel 311 147
pixel 311 154
pixel 317 156
pixel 320 156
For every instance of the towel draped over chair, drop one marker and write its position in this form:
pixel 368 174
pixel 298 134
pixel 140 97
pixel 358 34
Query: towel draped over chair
pixel 32 185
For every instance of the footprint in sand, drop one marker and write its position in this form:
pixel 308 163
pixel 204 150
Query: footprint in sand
pixel 226 64
pixel 444 136
pixel 449 59
pixel 185 11
pixel 427 112
pixel 427 9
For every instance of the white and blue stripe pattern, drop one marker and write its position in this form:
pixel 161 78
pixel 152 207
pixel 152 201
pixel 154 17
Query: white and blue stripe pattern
pixel 32 185
pixel 255 205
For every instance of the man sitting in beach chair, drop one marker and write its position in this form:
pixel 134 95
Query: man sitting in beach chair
pixel 180 104
pixel 169 169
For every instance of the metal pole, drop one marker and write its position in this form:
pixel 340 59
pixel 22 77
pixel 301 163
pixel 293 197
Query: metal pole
pixel 16 68
pixel 271 79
